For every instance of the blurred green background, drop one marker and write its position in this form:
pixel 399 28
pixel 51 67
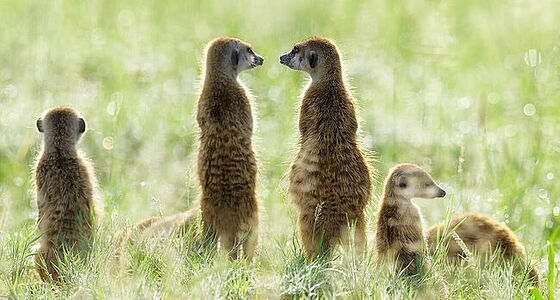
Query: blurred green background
pixel 469 90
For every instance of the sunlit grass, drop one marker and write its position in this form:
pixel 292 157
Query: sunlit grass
pixel 469 90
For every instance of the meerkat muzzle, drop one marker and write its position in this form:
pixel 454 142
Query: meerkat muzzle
pixel 285 59
pixel 258 60
pixel 441 193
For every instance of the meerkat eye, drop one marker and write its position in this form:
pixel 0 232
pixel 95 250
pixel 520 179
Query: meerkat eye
pixel 295 50
pixel 402 184
pixel 250 51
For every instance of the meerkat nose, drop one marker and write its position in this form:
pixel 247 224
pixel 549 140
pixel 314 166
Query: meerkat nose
pixel 259 60
pixel 284 59
pixel 441 193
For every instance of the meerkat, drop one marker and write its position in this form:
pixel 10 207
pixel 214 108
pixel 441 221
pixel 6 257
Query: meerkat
pixel 227 167
pixel 66 184
pixel 329 181
pixel 400 235
pixel 483 236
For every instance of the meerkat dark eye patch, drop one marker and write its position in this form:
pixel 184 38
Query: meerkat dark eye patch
pixel 401 182
pixel 40 125
pixel 312 59
pixel 235 57
pixel 82 125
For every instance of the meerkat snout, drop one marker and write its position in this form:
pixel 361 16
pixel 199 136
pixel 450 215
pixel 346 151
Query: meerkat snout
pixel 411 181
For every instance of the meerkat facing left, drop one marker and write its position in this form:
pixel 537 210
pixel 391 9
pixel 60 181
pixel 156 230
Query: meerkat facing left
pixel 66 183
pixel 227 167
pixel 329 181
pixel 400 233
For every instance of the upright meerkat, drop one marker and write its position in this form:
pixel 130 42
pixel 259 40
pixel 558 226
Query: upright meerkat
pixel 66 185
pixel 482 236
pixel 400 234
pixel 227 166
pixel 329 181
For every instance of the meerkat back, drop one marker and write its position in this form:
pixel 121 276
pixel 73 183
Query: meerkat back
pixel 482 236
pixel 66 186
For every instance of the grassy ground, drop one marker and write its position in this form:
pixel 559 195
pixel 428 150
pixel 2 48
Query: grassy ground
pixel 469 90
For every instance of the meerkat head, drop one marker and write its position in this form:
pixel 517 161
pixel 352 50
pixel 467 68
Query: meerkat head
pixel 410 181
pixel 61 126
pixel 316 56
pixel 231 56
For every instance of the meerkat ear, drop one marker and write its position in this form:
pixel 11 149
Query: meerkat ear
pixel 82 127
pixel 235 57
pixel 312 58
pixel 40 124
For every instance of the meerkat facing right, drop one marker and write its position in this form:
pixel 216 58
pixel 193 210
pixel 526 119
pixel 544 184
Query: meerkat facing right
pixel 329 181
pixel 66 184
pixel 227 166
pixel 482 236
pixel 400 233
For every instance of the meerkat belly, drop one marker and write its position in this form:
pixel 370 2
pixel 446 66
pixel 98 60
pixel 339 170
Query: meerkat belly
pixel 405 232
pixel 304 178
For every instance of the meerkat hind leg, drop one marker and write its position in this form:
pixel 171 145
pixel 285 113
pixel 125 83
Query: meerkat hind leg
pixel 230 243
pixel 250 244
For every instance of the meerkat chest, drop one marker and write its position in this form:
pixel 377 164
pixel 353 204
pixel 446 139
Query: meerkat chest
pixel 304 174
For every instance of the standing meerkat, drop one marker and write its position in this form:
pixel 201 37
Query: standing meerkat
pixel 66 185
pixel 400 235
pixel 329 181
pixel 482 236
pixel 227 167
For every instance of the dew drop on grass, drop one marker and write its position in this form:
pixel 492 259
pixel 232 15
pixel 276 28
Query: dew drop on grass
pixel 529 109
pixel 549 175
pixel 108 143
pixel 556 211
pixel 18 181
pixel 143 184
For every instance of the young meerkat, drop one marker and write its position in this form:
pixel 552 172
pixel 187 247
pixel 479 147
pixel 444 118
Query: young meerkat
pixel 66 184
pixel 483 236
pixel 329 181
pixel 227 167
pixel 400 235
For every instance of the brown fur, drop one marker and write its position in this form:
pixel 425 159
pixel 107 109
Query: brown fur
pixel 483 236
pixel 400 237
pixel 65 183
pixel 329 181
pixel 227 167
pixel 160 226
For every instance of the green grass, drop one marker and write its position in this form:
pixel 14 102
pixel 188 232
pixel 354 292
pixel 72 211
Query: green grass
pixel 444 84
